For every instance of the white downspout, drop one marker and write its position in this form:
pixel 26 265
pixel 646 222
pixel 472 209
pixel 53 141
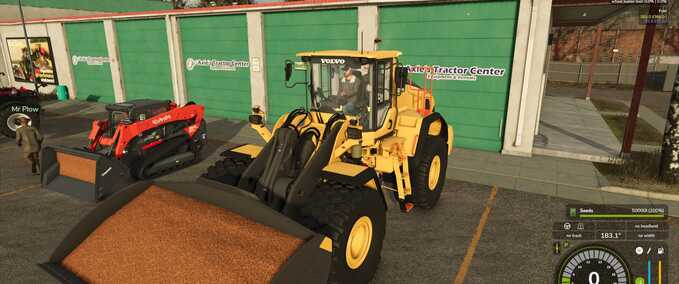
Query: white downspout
pixel 526 73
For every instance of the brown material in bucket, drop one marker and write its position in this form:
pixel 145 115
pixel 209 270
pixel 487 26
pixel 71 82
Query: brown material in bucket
pixel 161 236
pixel 77 167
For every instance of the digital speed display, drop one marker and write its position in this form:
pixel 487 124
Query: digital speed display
pixel 593 265
pixel 612 244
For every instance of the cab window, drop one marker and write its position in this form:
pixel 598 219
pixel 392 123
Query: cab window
pixel 383 98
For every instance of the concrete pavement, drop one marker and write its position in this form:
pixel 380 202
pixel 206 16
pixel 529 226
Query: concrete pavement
pixel 557 177
pixel 573 128
pixel 657 102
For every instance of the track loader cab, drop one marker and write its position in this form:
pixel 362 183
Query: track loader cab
pixel 133 111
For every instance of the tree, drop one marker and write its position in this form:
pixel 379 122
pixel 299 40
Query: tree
pixel 669 159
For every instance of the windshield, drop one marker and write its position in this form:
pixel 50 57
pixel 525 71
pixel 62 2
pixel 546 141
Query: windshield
pixel 116 118
pixel 344 87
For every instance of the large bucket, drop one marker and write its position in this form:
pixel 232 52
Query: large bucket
pixel 82 174
pixel 189 233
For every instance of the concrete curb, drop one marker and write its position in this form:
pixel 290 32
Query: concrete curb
pixel 612 159
pixel 611 189
pixel 523 178
pixel 641 193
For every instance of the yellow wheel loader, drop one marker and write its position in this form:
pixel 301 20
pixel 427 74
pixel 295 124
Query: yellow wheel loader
pixel 306 207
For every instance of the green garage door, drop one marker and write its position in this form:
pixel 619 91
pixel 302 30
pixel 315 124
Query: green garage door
pixel 287 33
pixel 470 48
pixel 144 59
pixel 89 59
pixel 216 60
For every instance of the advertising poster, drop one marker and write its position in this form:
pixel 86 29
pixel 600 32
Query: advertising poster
pixel 43 60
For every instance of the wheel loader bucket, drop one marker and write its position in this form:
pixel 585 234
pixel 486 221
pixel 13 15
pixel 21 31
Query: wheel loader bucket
pixel 81 174
pixel 189 233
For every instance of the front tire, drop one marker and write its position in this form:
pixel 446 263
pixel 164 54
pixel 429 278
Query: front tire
pixel 355 219
pixel 429 174
pixel 228 170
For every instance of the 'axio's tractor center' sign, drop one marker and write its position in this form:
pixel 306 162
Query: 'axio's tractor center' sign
pixel 216 65
pixel 456 73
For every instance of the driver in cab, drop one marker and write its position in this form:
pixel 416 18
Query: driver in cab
pixel 348 89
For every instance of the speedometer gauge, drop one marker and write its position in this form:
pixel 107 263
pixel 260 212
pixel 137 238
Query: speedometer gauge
pixel 593 264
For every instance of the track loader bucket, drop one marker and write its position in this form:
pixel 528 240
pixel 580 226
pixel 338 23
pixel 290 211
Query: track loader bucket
pixel 152 232
pixel 81 174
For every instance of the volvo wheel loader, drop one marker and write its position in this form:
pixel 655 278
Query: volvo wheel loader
pixel 139 140
pixel 306 207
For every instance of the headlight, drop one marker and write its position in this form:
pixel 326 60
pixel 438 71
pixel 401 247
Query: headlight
pixel 14 91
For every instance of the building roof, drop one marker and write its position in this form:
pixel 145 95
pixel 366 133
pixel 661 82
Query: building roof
pixel 380 54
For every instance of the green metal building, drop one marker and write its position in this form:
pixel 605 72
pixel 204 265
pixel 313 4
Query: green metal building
pixel 231 58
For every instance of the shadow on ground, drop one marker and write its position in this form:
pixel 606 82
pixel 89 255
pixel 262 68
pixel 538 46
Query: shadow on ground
pixel 219 133
pixel 55 127
pixel 70 108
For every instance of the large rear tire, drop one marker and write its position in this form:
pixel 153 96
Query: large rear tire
pixel 228 170
pixel 355 219
pixel 10 112
pixel 429 174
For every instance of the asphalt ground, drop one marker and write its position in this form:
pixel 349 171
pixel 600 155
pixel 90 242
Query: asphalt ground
pixel 474 235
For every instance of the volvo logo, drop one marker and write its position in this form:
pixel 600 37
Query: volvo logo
pixel 332 60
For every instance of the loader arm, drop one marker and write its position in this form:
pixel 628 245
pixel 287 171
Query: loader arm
pixel 99 127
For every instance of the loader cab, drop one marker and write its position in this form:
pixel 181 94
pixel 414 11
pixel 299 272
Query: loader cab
pixel 359 85
pixel 134 111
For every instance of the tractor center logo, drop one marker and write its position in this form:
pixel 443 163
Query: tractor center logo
pixel 332 60
pixel 216 65
pixel 456 73
pixel 90 60
pixel 161 119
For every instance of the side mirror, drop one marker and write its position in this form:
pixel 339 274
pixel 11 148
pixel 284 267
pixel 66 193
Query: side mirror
pixel 288 70
pixel 401 77
pixel 289 66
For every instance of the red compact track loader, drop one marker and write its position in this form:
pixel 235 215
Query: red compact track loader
pixel 140 139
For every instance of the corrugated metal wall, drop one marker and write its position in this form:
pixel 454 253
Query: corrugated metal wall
pixel 215 51
pixel 144 59
pixel 460 40
pixel 461 35
pixel 287 33
pixel 87 47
